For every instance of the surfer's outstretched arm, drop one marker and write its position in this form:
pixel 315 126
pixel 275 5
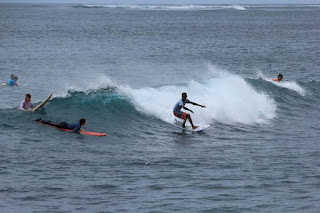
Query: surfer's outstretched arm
pixel 203 106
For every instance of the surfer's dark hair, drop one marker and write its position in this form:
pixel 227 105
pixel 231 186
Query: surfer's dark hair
pixel 82 121
pixel 280 75
pixel 184 93
pixel 28 95
pixel 13 77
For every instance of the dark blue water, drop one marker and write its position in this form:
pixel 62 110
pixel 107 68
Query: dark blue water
pixel 123 68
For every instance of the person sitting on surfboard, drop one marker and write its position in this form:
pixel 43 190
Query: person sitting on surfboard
pixel 181 104
pixel 64 125
pixel 280 76
pixel 26 104
pixel 12 81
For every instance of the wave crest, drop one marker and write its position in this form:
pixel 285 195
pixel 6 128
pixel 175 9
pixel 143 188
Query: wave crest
pixel 228 99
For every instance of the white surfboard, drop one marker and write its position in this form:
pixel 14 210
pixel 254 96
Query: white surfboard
pixel 200 128
pixel 178 122
pixel 189 128
pixel 23 85
pixel 42 103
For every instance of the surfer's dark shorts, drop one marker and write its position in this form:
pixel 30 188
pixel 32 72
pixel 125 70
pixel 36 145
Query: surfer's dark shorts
pixel 180 114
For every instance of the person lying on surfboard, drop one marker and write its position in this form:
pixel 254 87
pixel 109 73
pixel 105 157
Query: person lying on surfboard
pixel 280 76
pixel 26 104
pixel 64 125
pixel 12 81
pixel 183 115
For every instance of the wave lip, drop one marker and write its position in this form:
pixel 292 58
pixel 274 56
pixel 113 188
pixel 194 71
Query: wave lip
pixel 291 85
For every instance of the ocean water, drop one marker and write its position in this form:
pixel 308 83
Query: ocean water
pixel 123 67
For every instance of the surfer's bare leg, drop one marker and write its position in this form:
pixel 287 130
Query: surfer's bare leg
pixel 190 120
pixel 184 122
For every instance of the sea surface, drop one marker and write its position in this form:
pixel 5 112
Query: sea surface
pixel 123 68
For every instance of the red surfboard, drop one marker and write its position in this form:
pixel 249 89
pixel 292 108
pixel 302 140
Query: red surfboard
pixel 81 131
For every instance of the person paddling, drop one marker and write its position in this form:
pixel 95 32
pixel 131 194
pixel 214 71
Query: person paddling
pixel 12 81
pixel 75 127
pixel 183 115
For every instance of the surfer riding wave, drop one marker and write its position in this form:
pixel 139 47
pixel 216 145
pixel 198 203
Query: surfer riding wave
pixel 183 115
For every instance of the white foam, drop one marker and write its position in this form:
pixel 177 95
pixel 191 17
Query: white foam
pixel 228 99
pixel 238 7
pixel 291 85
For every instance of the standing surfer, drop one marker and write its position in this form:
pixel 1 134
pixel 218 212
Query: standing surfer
pixel 183 115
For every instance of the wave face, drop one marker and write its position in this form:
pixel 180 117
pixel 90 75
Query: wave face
pixel 229 99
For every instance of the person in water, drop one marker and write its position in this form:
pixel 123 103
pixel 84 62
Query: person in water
pixel 280 76
pixel 12 81
pixel 75 127
pixel 26 104
pixel 183 115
